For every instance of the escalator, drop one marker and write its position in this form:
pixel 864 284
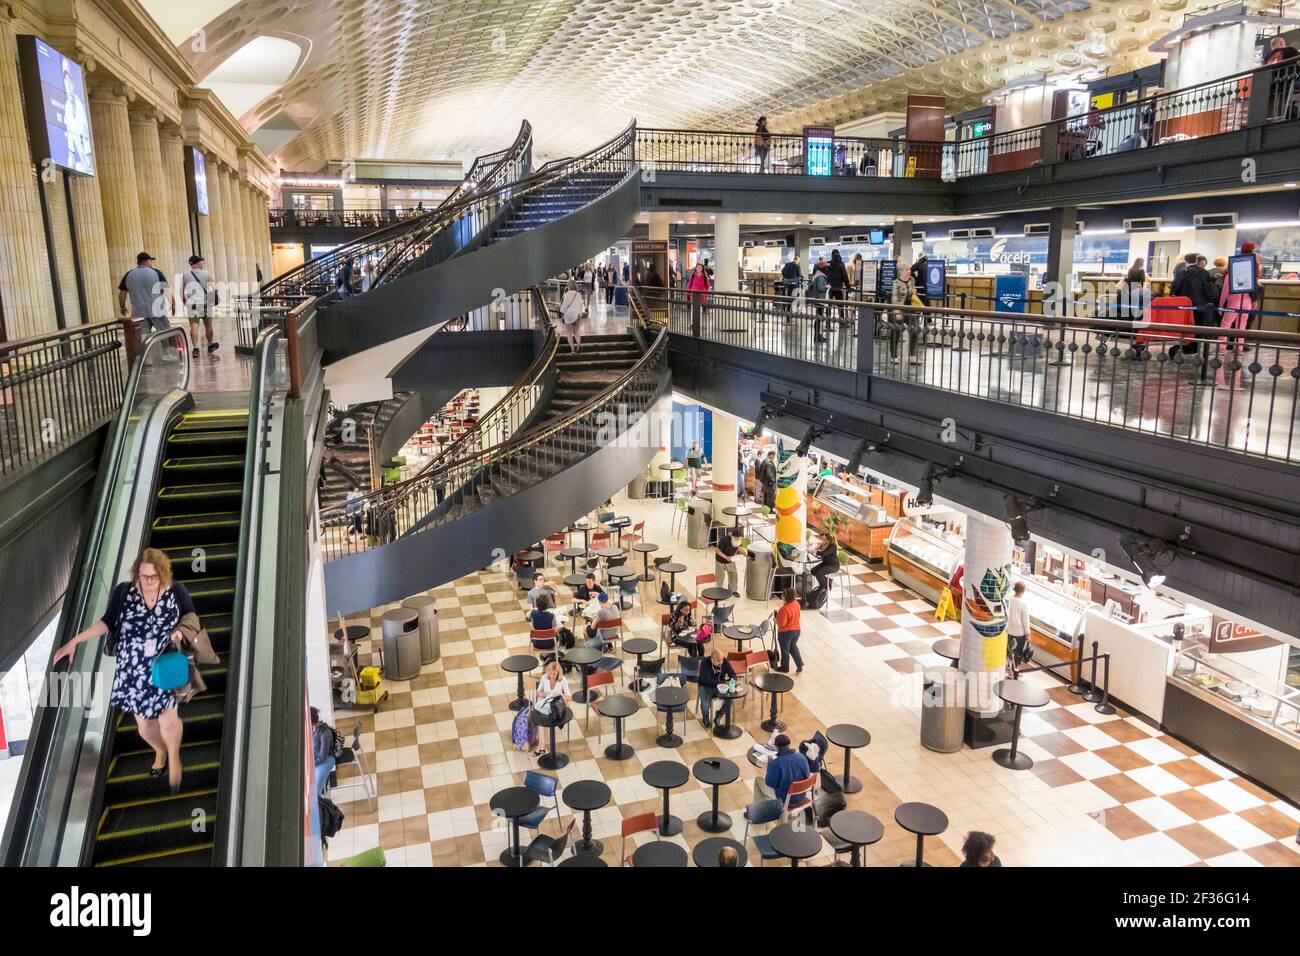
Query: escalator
pixel 196 520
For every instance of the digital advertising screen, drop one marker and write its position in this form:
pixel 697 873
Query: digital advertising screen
pixel 819 150
pixel 197 176
pixel 877 237
pixel 57 113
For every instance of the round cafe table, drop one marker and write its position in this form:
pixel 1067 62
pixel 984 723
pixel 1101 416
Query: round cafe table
pixel 583 657
pixel 796 844
pixel 513 803
pixel 715 594
pixel 583 528
pixel 850 737
pixel 572 555
pixel 670 697
pixel 353 632
pixel 519 664
pixel 646 549
pixel 610 552
pixel 532 557
pixel 724 728
pixel 583 859
pixel 672 569
pixel 619 707
pixel 949 648
pixel 921 819
pixel 706 852
pixel 617 525
pixel 1020 695
pixel 639 647
pixel 586 796
pixel 776 685
pixel 858 828
pixel 659 853
pixel 667 775
pixel 716 772
pixel 740 633
pixel 738 512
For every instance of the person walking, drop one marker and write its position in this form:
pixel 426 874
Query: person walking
pixel 571 309
pixel 694 462
pixel 353 507
pixel 142 294
pixel 818 289
pixel 787 632
pixel 1017 623
pixel 146 616
pixel 918 279
pixel 588 286
pixel 767 472
pixel 837 277
pixel 1235 309
pixel 199 297
pixel 724 560
pixel 697 293
pixel 902 293
pixel 762 143
pixel 791 282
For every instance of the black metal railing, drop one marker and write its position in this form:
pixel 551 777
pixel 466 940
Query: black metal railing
pixel 366 218
pixel 436 496
pixel 56 388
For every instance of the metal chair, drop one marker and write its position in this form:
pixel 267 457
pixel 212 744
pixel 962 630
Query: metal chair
pixel 547 788
pixel 800 791
pixel 641 823
pixel 680 511
pixel 599 679
pixel 843 579
pixel 359 756
pixel 545 849
pixel 759 814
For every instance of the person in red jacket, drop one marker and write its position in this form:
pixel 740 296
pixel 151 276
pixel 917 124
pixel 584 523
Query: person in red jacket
pixel 697 292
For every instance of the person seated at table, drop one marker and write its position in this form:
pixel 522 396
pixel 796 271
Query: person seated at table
pixel 588 589
pixel 597 636
pixel 728 856
pixel 978 850
pixel 715 672
pixel 787 767
pixel 553 684
pixel 542 618
pixel 541 586
pixel 681 625
pixel 828 561
pixel 724 560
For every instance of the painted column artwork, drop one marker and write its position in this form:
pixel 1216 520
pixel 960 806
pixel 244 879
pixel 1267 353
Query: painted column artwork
pixel 791 506
pixel 984 616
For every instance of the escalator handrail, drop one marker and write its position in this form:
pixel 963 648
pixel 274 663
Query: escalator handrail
pixel 227 845
pixel 33 783
pixel 540 364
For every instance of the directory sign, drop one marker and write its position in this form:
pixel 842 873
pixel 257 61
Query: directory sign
pixel 819 150
pixel 885 277
pixel 1010 292
pixel 936 279
pixel 58 118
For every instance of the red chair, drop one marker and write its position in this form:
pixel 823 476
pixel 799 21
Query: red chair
pixel 640 823
pixel 1168 310
pixel 543 642
pixel 598 679
pixel 636 534
pixel 701 581
pixel 554 544
pixel 739 661
pixel 799 794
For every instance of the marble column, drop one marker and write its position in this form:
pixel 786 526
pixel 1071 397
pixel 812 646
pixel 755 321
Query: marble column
pixel 249 234
pixel 24 264
pixel 248 198
pixel 215 239
pixel 230 228
pixel 172 153
pixel 726 244
pixel 92 248
pixel 726 440
pixel 119 190
pixel 155 233
pixel 983 614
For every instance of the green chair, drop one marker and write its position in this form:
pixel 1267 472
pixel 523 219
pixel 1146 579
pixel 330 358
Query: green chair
pixel 679 516
pixel 372 857
pixel 843 578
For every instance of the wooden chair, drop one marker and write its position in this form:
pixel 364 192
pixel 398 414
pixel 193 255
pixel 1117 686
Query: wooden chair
pixel 799 795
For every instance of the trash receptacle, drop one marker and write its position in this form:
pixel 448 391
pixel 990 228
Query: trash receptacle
pixel 401 628
pixel 758 571
pixel 698 517
pixel 636 488
pixel 426 611
pixel 943 710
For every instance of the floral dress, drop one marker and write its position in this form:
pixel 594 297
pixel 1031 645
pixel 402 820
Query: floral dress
pixel 143 634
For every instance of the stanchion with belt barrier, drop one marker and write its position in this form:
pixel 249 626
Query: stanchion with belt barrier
pixel 1102 700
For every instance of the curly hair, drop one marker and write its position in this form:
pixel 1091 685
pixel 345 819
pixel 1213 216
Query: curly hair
pixel 162 564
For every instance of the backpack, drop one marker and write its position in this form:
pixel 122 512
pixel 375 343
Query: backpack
pixel 331 817
pixel 664 592
pixel 705 632
pixel 815 599
pixel 519 729
pixel 565 638
pixel 340 744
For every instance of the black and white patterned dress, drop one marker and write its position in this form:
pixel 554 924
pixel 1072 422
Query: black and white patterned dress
pixel 137 626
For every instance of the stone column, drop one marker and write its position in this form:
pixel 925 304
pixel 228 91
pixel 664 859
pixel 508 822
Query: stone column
pixel 92 248
pixel 230 227
pixel 24 264
pixel 660 226
pixel 243 198
pixel 261 209
pixel 726 440
pixel 983 613
pixel 215 238
pixel 903 241
pixel 726 244
pixel 155 233
pixel 115 166
pixel 172 153
pixel 249 196
pixel 1057 290
pixel 803 249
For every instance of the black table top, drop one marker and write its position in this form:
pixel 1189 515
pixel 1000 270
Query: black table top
pixel 659 853
pixel 739 632
pixel 739 512
pixel 531 556
pixel 585 859
pixel 577 579
pixel 796 844
pixel 618 705
pixel 857 827
pixel 582 655
pixel 666 774
pixel 638 646
pixel 587 795
pixel 742 689
pixel 354 632
pixel 622 522
pixel 618 574
pixel 706 851
pixel 774 683
pixel 519 663
pixel 715 594
pixel 1018 692
pixel 672 567
pixel 670 696
pixel 609 552
pixel 920 818
pixel 725 772
pixel 850 736
pixel 948 647
pixel 645 546
pixel 514 802
pixel 572 552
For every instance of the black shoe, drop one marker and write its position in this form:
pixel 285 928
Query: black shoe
pixel 798 670
pixel 195 353
pixel 160 771
pixel 213 346
pixel 735 594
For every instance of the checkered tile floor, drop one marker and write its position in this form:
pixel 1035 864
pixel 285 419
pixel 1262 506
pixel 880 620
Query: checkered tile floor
pixel 1105 790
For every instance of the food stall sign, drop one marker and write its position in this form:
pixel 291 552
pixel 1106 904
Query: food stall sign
pixel 1233 631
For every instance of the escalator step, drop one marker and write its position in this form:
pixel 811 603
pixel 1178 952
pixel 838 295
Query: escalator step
pixel 219 559
pixel 200 855
pixel 209 466
pixel 197 528
pixel 153 825
pixel 203 718
pixel 227 493
pixel 211 421
pixel 129 779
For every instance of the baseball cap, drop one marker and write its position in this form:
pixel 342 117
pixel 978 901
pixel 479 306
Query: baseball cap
pixel 143 257
pixel 195 260
pixel 602 597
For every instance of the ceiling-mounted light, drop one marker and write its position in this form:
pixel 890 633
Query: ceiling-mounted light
pixel 925 490
pixel 864 448
pixel 1151 557
pixel 1018 508
pixel 811 435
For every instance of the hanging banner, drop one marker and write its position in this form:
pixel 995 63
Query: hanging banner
pixel 1010 291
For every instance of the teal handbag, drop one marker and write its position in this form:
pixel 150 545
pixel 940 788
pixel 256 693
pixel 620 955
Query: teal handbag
pixel 170 670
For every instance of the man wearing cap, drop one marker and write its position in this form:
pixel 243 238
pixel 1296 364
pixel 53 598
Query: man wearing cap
pixel 199 298
pixel 597 636
pixel 142 294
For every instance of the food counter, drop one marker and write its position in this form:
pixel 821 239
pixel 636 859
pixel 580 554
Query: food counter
pixel 864 527
pixel 923 558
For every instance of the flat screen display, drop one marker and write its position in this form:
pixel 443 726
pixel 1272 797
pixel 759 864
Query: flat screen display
pixel 877 237
pixel 196 167
pixel 57 114
pixel 819 150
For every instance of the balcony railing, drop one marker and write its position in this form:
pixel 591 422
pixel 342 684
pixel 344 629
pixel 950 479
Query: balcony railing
pixel 366 219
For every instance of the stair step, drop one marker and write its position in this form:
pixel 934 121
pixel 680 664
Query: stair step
pixel 146 827
pixel 207 465
pixel 199 529
pixel 217 559
pixel 129 779
pixel 229 494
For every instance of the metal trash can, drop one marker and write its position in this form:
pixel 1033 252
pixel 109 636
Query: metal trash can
pixel 401 628
pixel 758 571
pixel 698 516
pixel 426 609
pixel 943 710
pixel 636 488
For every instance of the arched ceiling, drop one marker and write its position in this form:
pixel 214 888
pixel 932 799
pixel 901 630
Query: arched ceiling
pixel 415 79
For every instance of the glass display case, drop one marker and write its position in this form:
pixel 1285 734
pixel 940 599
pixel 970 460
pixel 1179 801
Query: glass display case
pixel 849 501
pixel 1051 611
pixel 926 547
pixel 1251 695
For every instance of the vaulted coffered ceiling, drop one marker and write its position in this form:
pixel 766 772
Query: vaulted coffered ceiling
pixel 416 79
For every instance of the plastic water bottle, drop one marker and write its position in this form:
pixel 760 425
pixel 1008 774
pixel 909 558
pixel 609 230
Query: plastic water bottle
pixel 731 686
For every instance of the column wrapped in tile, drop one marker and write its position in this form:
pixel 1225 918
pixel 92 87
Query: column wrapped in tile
pixel 24 266
pixel 172 151
pixel 110 123
pixel 154 231
pixel 215 238
pixel 984 615
pixel 88 225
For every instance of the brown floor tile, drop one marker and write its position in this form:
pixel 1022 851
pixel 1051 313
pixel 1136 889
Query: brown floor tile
pixel 1054 773
pixel 1191 772
pixel 1061 695
pixel 1123 788
pixel 1126 824
pixel 1195 804
pixel 1177 744
pixel 1059 717
pixel 1254 789
pixel 870 639
pixel 1122 758
pixel 1197 839
pixel 1122 731
pixel 1275 854
pixel 391 834
pixel 1058 744
pixel 904 665
pixel 1272 821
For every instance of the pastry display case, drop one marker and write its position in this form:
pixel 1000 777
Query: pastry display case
pixel 863 526
pixel 922 557
pixel 1052 613
pixel 1245 692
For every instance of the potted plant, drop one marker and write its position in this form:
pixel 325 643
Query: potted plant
pixel 831 524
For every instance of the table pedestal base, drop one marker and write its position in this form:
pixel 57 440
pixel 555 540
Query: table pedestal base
pixel 851 784
pixel 727 731
pixel 711 824
pixel 671 825
pixel 589 848
pixel 1012 759
pixel 619 751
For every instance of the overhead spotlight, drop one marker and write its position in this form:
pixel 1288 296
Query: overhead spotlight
pixel 1018 507
pixel 811 435
pixel 925 491
pixel 864 449
pixel 764 414
pixel 1150 556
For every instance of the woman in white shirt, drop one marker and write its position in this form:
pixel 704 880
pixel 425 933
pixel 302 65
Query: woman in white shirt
pixel 570 314
pixel 553 684
pixel 1017 622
